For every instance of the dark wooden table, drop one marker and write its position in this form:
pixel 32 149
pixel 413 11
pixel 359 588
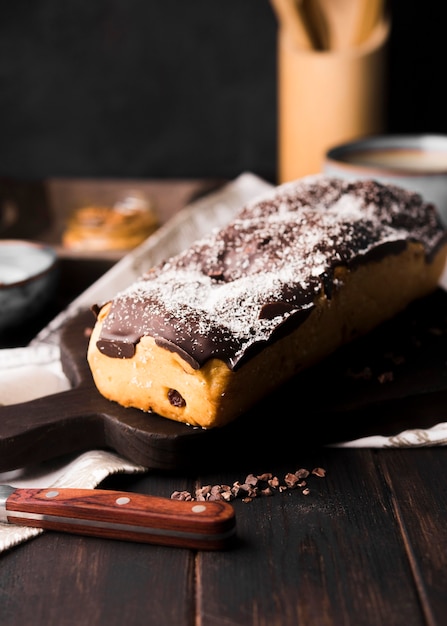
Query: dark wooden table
pixel 367 545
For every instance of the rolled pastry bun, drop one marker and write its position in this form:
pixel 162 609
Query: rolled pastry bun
pixel 122 226
pixel 300 272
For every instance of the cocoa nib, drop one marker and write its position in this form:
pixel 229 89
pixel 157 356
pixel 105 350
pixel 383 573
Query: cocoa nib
pixel 254 485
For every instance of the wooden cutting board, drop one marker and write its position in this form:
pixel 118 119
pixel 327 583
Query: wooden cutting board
pixel 391 380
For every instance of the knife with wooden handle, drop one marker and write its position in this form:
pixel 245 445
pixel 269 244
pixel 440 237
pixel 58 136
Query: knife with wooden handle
pixel 208 525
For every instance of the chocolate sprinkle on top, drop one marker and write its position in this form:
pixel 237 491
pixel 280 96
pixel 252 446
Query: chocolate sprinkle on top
pixel 257 279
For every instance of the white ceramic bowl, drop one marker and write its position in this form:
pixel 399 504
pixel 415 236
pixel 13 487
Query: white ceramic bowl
pixel 415 162
pixel 28 276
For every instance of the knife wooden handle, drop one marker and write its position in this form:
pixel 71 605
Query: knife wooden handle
pixel 123 515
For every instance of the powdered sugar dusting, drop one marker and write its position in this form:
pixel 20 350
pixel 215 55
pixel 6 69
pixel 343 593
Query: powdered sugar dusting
pixel 241 286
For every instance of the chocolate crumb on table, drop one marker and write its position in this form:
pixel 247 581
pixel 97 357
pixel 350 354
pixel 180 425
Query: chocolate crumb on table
pixel 254 485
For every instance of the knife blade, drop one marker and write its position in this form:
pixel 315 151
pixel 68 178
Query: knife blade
pixel 207 525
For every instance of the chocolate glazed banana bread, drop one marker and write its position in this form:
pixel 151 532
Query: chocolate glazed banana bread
pixel 301 271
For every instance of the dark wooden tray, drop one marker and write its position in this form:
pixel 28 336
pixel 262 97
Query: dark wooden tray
pixel 393 379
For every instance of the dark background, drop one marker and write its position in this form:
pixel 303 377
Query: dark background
pixel 174 88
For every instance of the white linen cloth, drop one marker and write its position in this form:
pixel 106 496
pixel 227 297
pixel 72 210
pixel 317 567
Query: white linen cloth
pixel 39 363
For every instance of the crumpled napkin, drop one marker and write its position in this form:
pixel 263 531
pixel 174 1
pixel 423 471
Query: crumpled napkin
pixel 39 366
pixel 39 363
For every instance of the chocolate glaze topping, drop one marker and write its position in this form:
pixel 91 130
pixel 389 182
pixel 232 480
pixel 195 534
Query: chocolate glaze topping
pixel 256 279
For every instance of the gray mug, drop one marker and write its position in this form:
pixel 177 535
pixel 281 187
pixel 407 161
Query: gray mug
pixel 415 162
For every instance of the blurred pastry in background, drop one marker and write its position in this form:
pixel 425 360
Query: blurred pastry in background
pixel 122 226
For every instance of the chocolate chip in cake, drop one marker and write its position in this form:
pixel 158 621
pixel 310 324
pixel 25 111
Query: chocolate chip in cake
pixel 175 398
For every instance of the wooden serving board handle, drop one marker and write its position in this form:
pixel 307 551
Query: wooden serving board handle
pixel 34 431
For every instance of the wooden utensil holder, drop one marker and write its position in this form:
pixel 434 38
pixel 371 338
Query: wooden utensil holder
pixel 327 98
